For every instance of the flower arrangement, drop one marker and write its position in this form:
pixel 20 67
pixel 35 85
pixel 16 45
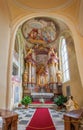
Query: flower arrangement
pixel 42 100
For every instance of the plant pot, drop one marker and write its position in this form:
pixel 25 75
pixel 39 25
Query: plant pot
pixel 60 107
pixel 19 105
pixel 26 106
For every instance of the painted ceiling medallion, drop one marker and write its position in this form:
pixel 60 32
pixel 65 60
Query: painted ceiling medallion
pixel 40 30
pixel 42 4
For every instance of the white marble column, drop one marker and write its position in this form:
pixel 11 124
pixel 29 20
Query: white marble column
pixel 29 72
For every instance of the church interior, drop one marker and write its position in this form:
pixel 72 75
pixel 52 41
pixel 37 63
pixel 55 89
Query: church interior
pixel 41 49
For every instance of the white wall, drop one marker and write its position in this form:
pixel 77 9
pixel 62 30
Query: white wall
pixel 4 48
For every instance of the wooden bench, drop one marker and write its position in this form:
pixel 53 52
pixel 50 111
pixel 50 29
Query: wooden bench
pixel 72 119
pixel 9 120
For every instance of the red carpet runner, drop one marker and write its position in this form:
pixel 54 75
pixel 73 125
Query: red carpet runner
pixel 46 102
pixel 41 120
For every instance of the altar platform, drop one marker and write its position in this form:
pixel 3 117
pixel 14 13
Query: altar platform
pixel 42 100
pixel 42 105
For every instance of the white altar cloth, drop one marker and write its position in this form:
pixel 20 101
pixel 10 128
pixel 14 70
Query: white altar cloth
pixel 42 95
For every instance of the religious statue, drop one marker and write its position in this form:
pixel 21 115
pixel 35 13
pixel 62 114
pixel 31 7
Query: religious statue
pixel 53 58
pixel 52 78
pixel 42 70
pixel 25 77
pixel 29 53
pixel 59 77
pixel 71 104
pixel 51 52
pixel 32 79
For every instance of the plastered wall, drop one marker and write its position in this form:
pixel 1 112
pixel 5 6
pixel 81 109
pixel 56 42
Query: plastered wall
pixel 75 81
pixel 4 47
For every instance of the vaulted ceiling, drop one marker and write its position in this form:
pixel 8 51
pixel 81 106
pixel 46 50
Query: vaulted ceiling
pixel 42 4
pixel 21 8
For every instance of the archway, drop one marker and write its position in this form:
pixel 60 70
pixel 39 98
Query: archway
pixel 15 27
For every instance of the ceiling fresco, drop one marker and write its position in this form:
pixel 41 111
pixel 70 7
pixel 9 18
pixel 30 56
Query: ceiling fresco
pixel 40 30
pixel 41 34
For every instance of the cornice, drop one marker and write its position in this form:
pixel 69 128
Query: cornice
pixel 26 7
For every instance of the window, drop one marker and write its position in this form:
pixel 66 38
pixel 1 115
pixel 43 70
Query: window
pixel 16 94
pixel 64 60
pixel 15 70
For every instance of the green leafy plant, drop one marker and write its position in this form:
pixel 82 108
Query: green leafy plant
pixel 26 100
pixel 60 100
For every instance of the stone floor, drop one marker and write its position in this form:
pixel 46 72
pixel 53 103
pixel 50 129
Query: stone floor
pixel 25 116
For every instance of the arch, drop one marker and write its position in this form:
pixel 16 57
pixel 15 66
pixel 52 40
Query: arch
pixel 20 21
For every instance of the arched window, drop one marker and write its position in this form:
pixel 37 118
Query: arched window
pixel 64 60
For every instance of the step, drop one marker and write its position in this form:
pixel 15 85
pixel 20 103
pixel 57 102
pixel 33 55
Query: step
pixel 42 105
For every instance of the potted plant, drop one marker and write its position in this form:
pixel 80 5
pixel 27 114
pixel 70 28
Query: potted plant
pixel 60 100
pixel 26 100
